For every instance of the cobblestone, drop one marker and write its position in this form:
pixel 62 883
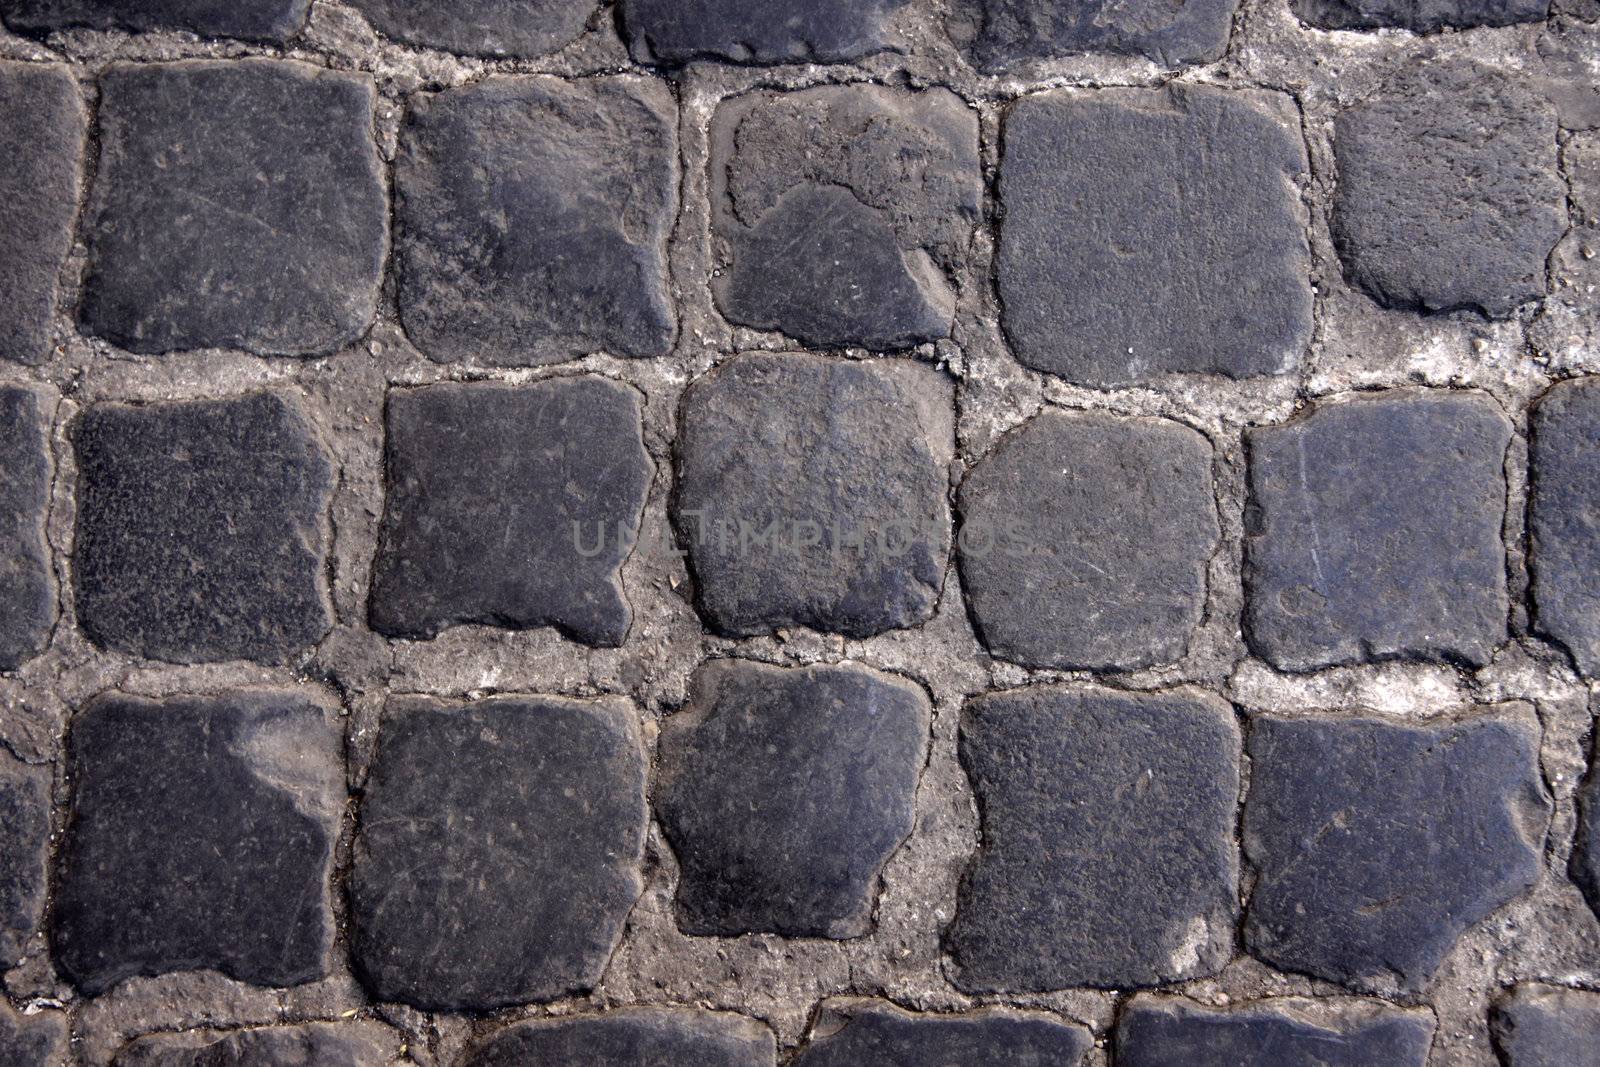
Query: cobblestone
pixel 356 1044
pixel 32 1041
pixel 25 844
pixel 522 28
pixel 753 31
pixel 260 20
pixel 1001 34
pixel 871 1033
pixel 1564 520
pixel 641 1036
pixel 27 590
pixel 1162 1031
pixel 1416 16
pixel 1542 1026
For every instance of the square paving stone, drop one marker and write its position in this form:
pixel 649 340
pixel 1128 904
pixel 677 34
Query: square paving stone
pixel 873 1034
pixel 499 850
pixel 41 152
pixel 645 1036
pixel 798 511
pixel 672 32
pixel 1085 540
pixel 350 1044
pixel 1449 193
pixel 201 529
pixel 272 21
pixel 997 35
pixel 1107 856
pixel 32 1040
pixel 1169 1032
pixel 1564 519
pixel 1546 1026
pixel 1584 863
pixel 1151 232
pixel 844 213
pixel 1350 893
pixel 1374 531
pixel 511 505
pixel 532 219
pixel 200 838
pixel 1417 16
pixel 783 793
pixel 521 28
pixel 238 204
pixel 27 590
pixel 25 851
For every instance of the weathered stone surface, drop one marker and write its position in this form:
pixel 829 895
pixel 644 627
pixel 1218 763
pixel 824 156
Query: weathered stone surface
pixel 1374 531
pixel 1152 232
pixel 1564 519
pixel 798 511
pixel 32 1041
pixel 845 212
pixel 1545 1026
pixel 1000 34
pixel 522 28
pixel 533 217
pixel 783 792
pixel 672 32
pixel 350 1044
pixel 253 20
pixel 1449 194
pixel 201 837
pixel 1567 328
pixel 1085 541
pixel 1419 16
pixel 1351 893
pixel 1584 864
pixel 1166 1031
pixel 200 529
pixel 41 151
pixel 25 848
pixel 642 1036
pixel 200 160
pixel 499 850
pixel 27 590
pixel 875 1034
pixel 1107 855
pixel 511 505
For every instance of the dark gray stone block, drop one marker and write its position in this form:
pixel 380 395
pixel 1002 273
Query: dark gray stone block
pixel 844 212
pixel 1449 194
pixel 1350 893
pixel 1000 34
pixel 871 1034
pixel 27 590
pixel 25 848
pixel 637 1035
pixel 1166 1031
pixel 511 505
pixel 672 32
pixel 499 850
pixel 1107 856
pixel 201 837
pixel 1374 532
pixel 201 529
pixel 1418 16
pixel 41 151
pixel 1085 540
pixel 1564 519
pixel 798 511
pixel 521 28
pixel 1584 863
pixel 32 1041
pixel 238 204
pixel 533 215
pixel 1545 1026
pixel 273 21
pixel 353 1044
pixel 1152 232
pixel 784 792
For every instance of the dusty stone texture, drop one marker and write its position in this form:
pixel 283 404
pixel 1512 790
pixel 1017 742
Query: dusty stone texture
pixel 512 506
pixel 1584 864
pixel 348 1044
pixel 1350 893
pixel 201 159
pixel 499 850
pixel 1564 519
pixel 1151 232
pixel 673 32
pixel 1085 541
pixel 784 792
pixel 27 589
pixel 1106 855
pixel 998 35
pixel 1167 1031
pixel 642 1036
pixel 25 846
pixel 41 152
pixel 1545 1026
pixel 847 212
pixel 532 219
pixel 32 1041
pixel 1418 16
pixel 201 836
pixel 859 1033
pixel 795 511
pixel 1374 531
pixel 1449 194
pixel 1568 330
pixel 200 528
pixel 274 21
pixel 522 28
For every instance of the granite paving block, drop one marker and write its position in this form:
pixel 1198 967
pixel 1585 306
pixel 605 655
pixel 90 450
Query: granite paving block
pixel 861 1033
pixel 635 1036
pixel 1564 519
pixel 524 29
pixel 27 586
pixel 1168 1031
pixel 1547 1026
pixel 269 21
pixel 25 848
pixel 675 32
pixel 1000 35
